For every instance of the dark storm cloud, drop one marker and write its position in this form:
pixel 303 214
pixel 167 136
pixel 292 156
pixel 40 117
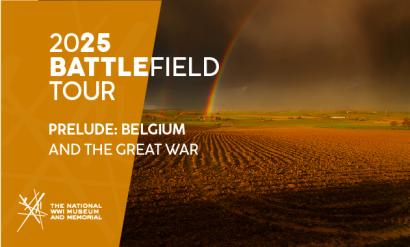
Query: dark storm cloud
pixel 386 26
pixel 197 29
pixel 291 54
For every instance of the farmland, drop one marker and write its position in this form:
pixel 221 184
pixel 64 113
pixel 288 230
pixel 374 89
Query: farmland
pixel 282 185
pixel 315 119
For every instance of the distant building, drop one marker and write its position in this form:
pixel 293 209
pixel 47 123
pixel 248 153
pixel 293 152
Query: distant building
pixel 208 118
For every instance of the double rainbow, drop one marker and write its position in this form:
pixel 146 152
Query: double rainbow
pixel 209 109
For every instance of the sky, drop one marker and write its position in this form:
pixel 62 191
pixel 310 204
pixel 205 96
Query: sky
pixel 288 55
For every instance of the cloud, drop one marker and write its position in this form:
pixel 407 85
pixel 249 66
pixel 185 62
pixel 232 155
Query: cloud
pixel 350 53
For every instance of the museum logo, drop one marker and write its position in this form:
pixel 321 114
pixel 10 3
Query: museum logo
pixel 32 208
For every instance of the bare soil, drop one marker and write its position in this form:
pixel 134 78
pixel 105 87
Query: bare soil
pixel 273 187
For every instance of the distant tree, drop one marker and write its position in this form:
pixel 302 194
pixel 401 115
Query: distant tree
pixel 406 122
pixel 394 123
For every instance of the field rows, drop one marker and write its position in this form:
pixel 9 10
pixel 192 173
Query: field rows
pixel 261 163
pixel 338 184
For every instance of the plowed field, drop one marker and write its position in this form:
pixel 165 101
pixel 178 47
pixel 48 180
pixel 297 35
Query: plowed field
pixel 273 186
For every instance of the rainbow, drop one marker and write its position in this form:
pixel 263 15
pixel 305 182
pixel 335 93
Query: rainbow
pixel 209 109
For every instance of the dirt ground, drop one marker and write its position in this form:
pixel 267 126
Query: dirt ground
pixel 273 187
